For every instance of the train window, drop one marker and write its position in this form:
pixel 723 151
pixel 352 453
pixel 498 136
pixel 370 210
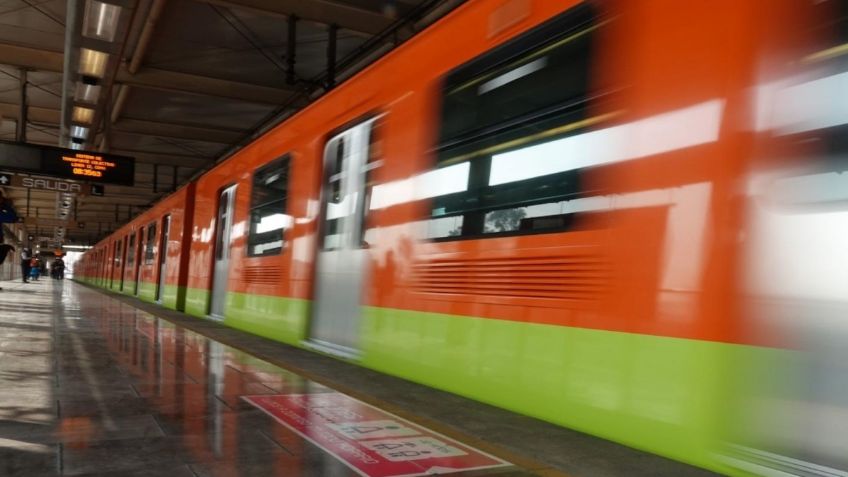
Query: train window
pixel 268 218
pixel 521 99
pixel 150 249
pixel 131 250
pixel 375 161
pixel 336 201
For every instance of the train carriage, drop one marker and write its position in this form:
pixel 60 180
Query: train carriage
pixel 535 204
pixel 147 257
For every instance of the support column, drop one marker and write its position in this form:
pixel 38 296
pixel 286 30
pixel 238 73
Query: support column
pixel 331 55
pixel 155 178
pixel 20 134
pixel 291 49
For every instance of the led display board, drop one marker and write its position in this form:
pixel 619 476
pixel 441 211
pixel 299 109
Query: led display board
pixel 88 166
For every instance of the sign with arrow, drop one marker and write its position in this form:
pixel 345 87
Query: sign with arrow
pixel 42 183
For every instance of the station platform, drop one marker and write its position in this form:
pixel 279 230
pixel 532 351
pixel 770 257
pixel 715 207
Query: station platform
pixel 99 384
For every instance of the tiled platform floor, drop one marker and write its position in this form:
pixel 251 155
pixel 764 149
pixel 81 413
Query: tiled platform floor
pixel 91 384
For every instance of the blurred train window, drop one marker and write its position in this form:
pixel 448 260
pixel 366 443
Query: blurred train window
pixel 375 161
pixel 350 159
pixel 533 91
pixel 268 218
pixel 131 250
pixel 149 250
pixel 336 201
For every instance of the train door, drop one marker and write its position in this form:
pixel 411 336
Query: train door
pixel 138 252
pixel 223 236
pixel 123 267
pixel 340 261
pixel 163 255
pixel 130 262
pixel 116 252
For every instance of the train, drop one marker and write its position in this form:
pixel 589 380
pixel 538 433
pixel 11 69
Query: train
pixel 621 217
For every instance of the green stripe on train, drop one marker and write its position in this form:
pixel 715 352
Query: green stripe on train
pixel 147 292
pixel 277 318
pixel 668 396
pixel 197 302
pixel 663 395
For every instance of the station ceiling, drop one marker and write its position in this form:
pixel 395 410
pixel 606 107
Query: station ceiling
pixel 177 84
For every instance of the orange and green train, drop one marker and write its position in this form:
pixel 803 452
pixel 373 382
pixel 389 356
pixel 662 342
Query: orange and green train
pixel 537 204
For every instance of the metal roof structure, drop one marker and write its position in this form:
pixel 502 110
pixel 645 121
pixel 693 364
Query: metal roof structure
pixel 177 84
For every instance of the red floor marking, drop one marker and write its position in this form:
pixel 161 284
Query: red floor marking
pixel 372 442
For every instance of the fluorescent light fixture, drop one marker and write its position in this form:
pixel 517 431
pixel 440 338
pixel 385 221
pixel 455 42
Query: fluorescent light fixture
pixel 82 115
pixel 79 131
pixel 92 62
pixel 101 20
pixel 76 147
pixel 87 93
pixel 77 247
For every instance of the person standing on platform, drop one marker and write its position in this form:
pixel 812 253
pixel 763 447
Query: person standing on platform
pixel 58 268
pixel 26 259
pixel 34 269
pixel 8 215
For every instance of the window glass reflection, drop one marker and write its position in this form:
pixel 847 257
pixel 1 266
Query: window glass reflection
pixel 268 200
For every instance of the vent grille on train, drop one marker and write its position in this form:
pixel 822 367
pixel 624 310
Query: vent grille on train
pixel 262 275
pixel 574 277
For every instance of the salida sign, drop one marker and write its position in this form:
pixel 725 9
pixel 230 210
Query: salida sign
pixel 51 184
pixel 371 441
pixel 40 183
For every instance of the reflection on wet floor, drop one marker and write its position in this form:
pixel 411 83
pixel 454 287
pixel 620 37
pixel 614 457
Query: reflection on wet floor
pixel 92 386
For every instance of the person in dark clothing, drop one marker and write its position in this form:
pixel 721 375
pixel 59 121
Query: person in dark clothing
pixel 7 215
pixel 58 268
pixel 26 260
pixel 5 250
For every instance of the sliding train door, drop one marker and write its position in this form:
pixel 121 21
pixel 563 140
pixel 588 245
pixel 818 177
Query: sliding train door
pixel 163 255
pixel 340 262
pixel 123 263
pixel 223 238
pixel 138 257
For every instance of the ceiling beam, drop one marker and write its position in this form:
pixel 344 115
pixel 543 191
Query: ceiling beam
pixel 165 159
pixel 35 114
pixel 151 78
pixel 177 131
pixel 133 126
pixel 31 58
pixel 320 11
